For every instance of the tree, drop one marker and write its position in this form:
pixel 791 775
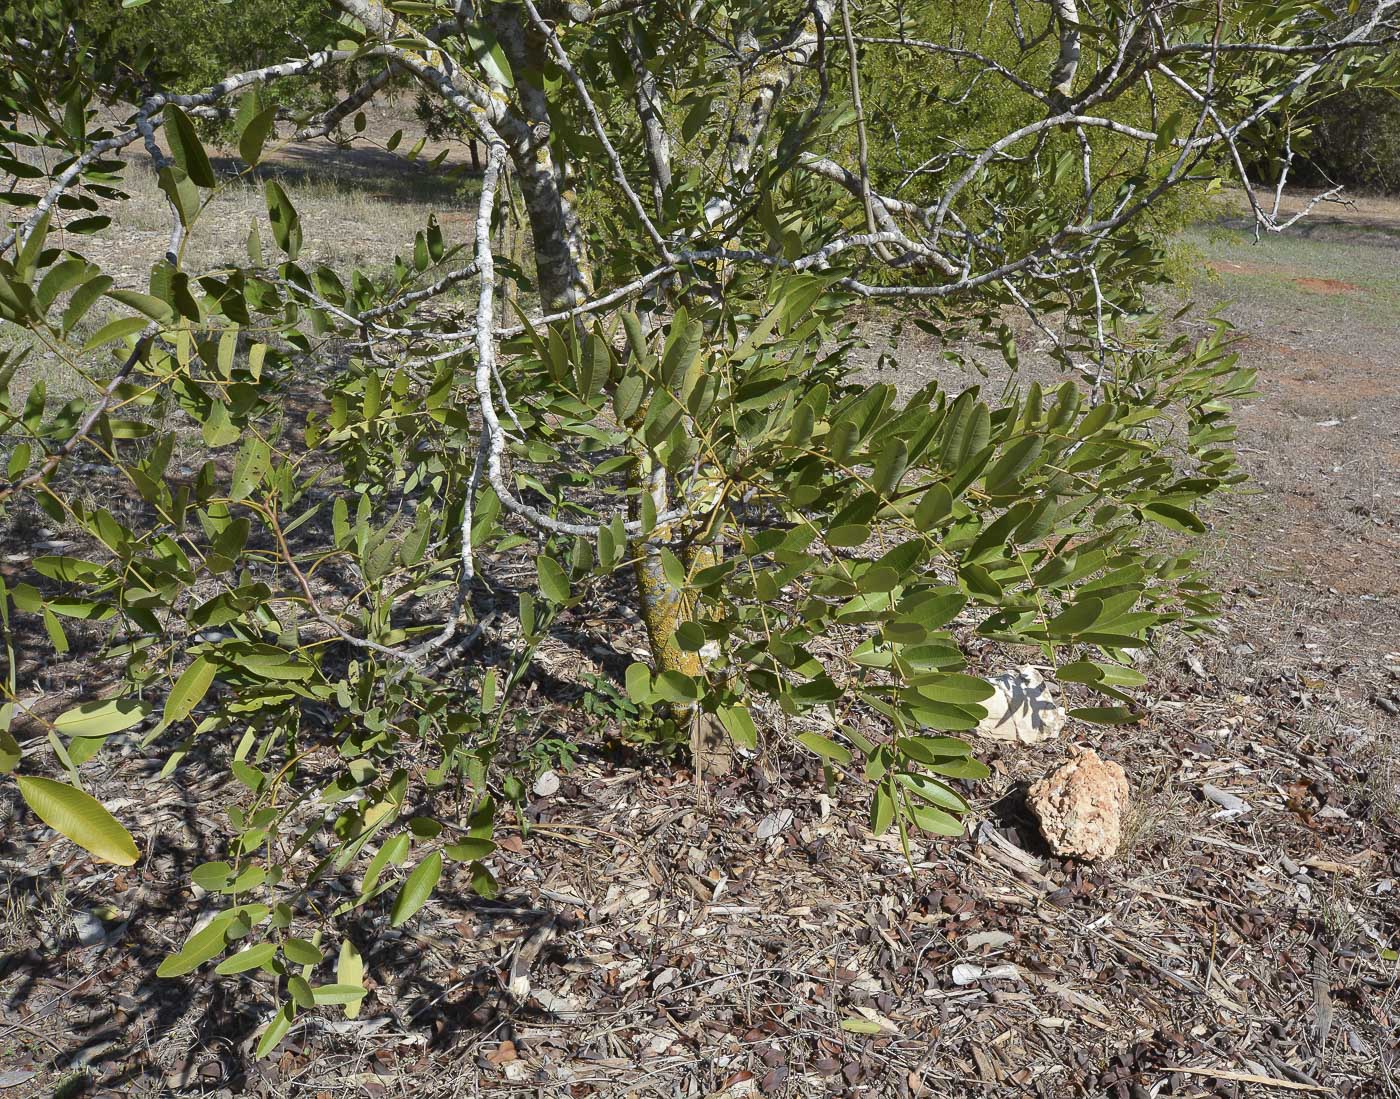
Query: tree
pixel 705 205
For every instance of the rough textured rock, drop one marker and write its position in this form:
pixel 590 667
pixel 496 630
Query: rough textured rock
pixel 1081 806
pixel 1023 709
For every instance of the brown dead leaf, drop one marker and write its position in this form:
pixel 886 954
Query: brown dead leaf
pixel 503 1053
pixel 1329 866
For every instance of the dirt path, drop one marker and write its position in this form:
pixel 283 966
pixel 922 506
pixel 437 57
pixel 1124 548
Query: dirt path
pixel 1313 551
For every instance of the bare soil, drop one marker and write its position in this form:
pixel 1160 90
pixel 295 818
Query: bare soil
pixel 752 938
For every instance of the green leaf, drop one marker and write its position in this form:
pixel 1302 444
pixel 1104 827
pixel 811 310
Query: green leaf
pixel 861 1026
pixel 264 661
pixel 1173 517
pixel 86 226
pixel 890 466
pixel 933 791
pixel 936 821
pixel 208 941
pixel 980 583
pixel 738 723
pixel 62 276
pixel 638 680
pixel 825 747
pixel 244 960
pixel 33 246
pixel 10 753
pixel 417 889
pixel 955 689
pixel 82 300
pixel 80 817
pixel 254 461
pixel 54 628
pixel 189 690
pixel 299 988
pixel 286 225
pixel 186 147
pixel 1003 478
pixel 102 718
pixel 554 583
pixel 932 610
pixel 936 504
pixel 682 346
pixel 1076 618
pixel 278 1028
pixel 394 850
pixel 338 994
pixel 469 850
pixel 211 876
pixel 933 749
pixel 489 55
pixel 848 536
pixel 627 397
pixel 972 769
pixel 484 882
pixel 114 330
pixel 673 686
pixel 255 135
pixel 218 430
pixel 181 192
pixel 350 973
pixel 302 952
pixel 881 809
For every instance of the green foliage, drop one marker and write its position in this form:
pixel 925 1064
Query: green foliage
pixel 215 38
pixel 345 611
pixel 1353 138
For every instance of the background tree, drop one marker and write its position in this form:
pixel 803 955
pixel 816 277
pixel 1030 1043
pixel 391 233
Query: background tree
pixel 709 190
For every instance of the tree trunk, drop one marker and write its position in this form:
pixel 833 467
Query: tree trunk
pixel 561 264
pixel 663 607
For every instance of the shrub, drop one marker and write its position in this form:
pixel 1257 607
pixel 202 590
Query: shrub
pixel 313 603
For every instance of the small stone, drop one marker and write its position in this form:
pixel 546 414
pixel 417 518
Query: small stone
pixel 964 973
pixel 774 824
pixel 1231 805
pixel 89 927
pixel 547 785
pixel 1080 806
pixel 1023 708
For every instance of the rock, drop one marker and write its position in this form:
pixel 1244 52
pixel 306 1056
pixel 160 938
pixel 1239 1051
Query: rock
pixel 774 824
pixel 1231 805
pixel 964 973
pixel 546 786
pixel 995 939
pixel 1023 709
pixel 1081 804
pixel 89 927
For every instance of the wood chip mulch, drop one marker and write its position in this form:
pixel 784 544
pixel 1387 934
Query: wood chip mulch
pixel 753 938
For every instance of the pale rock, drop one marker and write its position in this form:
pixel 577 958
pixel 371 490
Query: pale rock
pixel 774 824
pixel 1023 708
pixel 995 939
pixel 1231 805
pixel 964 973
pixel 546 786
pixel 89 927
pixel 1081 805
